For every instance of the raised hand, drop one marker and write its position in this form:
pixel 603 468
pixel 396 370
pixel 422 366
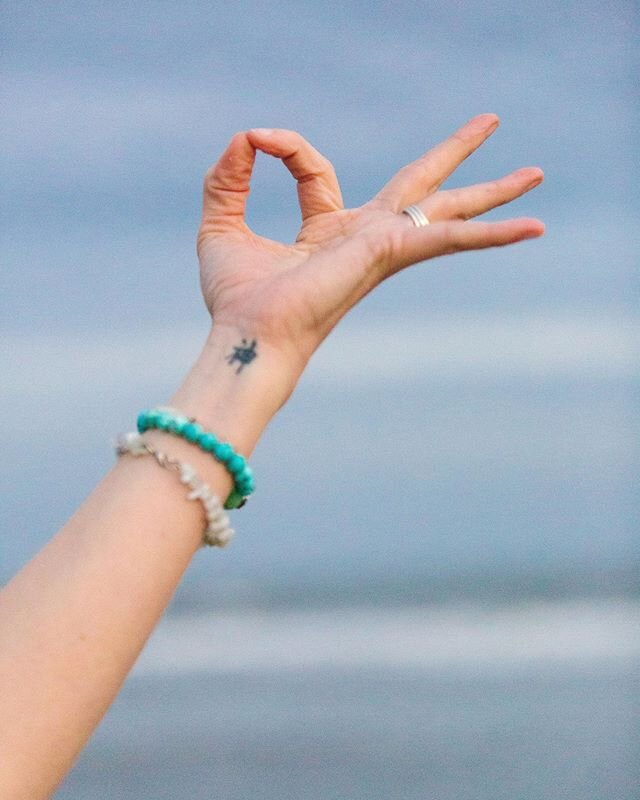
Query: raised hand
pixel 292 295
pixel 74 620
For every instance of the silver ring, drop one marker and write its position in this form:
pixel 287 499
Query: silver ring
pixel 417 216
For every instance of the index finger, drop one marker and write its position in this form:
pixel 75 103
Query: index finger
pixel 318 187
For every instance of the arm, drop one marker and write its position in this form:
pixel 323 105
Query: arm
pixel 75 618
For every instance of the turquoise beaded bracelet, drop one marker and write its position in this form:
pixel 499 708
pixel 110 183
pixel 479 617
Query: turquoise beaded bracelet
pixel 168 419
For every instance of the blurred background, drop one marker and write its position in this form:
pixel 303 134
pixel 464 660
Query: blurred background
pixel 433 592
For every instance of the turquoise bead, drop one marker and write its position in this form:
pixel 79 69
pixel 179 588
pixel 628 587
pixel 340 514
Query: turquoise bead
pixel 154 416
pixel 245 485
pixel 162 422
pixel 222 451
pixel 236 464
pixel 142 422
pixel 176 426
pixel 192 431
pixel 246 476
pixel 207 442
pixel 180 425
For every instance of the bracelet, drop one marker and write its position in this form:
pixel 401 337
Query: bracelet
pixel 169 419
pixel 218 532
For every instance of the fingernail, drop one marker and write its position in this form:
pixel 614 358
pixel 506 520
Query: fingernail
pixel 535 234
pixel 262 131
pixel 489 124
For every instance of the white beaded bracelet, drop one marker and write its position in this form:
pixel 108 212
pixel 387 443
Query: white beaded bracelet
pixel 218 532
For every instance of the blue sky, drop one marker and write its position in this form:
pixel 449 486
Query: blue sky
pixel 473 412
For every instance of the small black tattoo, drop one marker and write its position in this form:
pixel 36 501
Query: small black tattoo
pixel 244 354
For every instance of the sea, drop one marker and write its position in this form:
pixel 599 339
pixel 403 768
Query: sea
pixel 533 699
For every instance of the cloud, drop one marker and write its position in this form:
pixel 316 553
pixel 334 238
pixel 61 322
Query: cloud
pixel 465 638
pixel 361 352
pixel 531 345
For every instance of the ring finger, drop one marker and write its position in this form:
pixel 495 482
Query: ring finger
pixel 471 201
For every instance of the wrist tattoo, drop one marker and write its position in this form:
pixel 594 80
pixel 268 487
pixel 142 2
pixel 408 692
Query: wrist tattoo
pixel 244 354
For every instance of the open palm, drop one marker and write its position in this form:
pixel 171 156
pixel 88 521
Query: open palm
pixel 292 295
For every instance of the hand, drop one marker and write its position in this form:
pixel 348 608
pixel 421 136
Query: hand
pixel 292 295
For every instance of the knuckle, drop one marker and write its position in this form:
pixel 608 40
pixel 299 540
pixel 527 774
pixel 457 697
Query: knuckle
pixel 387 249
pixel 328 169
pixel 408 170
pixel 326 163
pixel 459 137
pixel 210 177
pixel 213 183
pixel 452 239
pixel 465 143
pixel 209 184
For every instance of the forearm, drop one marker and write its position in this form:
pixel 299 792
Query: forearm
pixel 75 618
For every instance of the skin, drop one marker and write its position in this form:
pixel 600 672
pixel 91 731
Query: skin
pixel 292 295
pixel 74 619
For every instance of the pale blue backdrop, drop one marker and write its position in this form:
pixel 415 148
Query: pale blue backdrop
pixel 468 432
pixel 487 426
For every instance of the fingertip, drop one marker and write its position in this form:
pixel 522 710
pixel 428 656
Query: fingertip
pixel 487 120
pixel 525 179
pixel 535 174
pixel 238 136
pixel 268 140
pixel 534 228
pixel 274 141
pixel 239 144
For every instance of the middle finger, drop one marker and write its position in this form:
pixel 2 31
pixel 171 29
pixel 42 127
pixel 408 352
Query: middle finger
pixel 422 176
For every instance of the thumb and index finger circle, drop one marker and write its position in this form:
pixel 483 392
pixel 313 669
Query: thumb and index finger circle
pixel 227 182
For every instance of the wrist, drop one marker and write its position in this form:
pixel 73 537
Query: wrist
pixel 236 385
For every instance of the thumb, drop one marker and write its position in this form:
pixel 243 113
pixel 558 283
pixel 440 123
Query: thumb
pixel 226 186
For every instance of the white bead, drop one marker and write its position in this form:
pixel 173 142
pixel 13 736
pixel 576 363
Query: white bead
pixel 187 473
pixel 213 505
pixel 217 525
pixel 218 517
pixel 224 537
pixel 198 493
pixel 219 539
pixel 218 532
pixel 134 443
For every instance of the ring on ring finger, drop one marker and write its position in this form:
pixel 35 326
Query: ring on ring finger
pixel 417 215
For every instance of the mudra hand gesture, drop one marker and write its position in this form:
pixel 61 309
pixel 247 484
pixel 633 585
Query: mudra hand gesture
pixel 78 614
pixel 289 296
